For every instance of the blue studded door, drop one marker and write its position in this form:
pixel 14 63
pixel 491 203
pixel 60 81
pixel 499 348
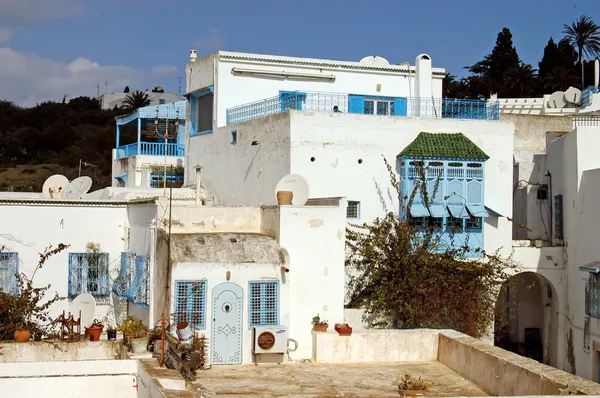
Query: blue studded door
pixel 227 327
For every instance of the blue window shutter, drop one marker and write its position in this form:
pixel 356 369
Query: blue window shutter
pixel 291 100
pixel 356 104
pixel 400 108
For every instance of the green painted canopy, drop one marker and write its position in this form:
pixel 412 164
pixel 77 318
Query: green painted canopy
pixel 443 145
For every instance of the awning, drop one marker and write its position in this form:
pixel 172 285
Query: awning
pixel 593 267
pixel 419 210
pixel 477 210
pixel 458 210
pixel 438 210
pixel 121 177
pixel 493 212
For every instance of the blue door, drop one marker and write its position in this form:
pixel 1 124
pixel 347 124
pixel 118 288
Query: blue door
pixel 227 328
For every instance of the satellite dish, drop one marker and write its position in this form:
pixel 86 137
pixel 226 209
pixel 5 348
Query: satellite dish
pixel 77 188
pixel 54 186
pixel 86 303
pixel 557 100
pixel 295 184
pixel 374 60
pixel 573 95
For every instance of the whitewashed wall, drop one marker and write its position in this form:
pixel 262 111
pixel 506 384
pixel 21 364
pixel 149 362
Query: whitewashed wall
pixel 574 165
pixel 245 174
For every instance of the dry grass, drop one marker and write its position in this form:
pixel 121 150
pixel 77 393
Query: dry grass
pixel 27 177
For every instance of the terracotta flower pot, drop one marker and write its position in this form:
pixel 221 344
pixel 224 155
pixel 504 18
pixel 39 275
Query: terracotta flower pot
pixel 94 332
pixel 284 198
pixel 320 328
pixel 343 329
pixel 22 336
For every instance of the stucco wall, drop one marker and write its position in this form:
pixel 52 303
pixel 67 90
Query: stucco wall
pixel 209 219
pixel 28 229
pixel 57 351
pixel 529 149
pixel 242 174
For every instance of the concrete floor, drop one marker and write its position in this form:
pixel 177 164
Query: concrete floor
pixel 319 380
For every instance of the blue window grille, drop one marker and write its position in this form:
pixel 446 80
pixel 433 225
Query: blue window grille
pixel 558 217
pixel 373 105
pixel 592 296
pixel 263 304
pixel 174 180
pixel 353 210
pixel 123 283
pixel 9 268
pixel 190 303
pixel 88 273
pixel 139 291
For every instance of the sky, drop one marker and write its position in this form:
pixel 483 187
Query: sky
pixel 53 48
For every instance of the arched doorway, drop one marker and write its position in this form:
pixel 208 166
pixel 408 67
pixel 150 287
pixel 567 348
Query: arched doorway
pixel 526 320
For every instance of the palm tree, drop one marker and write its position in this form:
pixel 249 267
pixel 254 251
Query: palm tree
pixel 559 78
pixel 583 34
pixel 520 81
pixel 135 100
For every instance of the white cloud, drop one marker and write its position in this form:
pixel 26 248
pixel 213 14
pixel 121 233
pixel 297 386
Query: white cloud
pixel 28 79
pixel 17 14
pixel 212 42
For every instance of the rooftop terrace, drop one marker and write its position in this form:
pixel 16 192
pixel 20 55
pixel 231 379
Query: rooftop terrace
pixel 364 104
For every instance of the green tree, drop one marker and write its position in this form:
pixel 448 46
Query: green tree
pixel 584 35
pixel 405 275
pixel 135 100
pixel 521 81
pixel 493 68
pixel 559 79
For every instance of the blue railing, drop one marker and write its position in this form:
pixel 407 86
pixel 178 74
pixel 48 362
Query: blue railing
pixel 151 149
pixel 586 95
pixel 338 102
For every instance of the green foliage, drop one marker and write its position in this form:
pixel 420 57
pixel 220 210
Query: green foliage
pixel 502 72
pixel 409 383
pixel 57 135
pixel 133 328
pixel 28 310
pixel 137 99
pixel 317 321
pixel 405 274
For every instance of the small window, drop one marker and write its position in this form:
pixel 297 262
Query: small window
pixel 454 224
pixel 435 222
pixel 161 101
pixel 88 273
pixel 353 209
pixel 190 303
pixel 233 137
pixel 474 223
pixel 542 192
pixel 417 221
pixel 558 217
pixel 263 304
pixel 9 268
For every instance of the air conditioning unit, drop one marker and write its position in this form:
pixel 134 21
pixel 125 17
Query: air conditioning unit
pixel 270 339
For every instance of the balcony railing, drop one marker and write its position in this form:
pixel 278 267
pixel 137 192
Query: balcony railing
pixel 383 106
pixel 150 149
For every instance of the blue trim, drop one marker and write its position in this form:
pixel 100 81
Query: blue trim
pixel 400 106
pixel 263 303
pixel 418 210
pixel 123 283
pixel 89 273
pixel 438 210
pixel 477 210
pixel 457 210
pixel 291 100
pixel 192 98
pixel 357 203
pixel 9 268
pixel 193 304
pixel 356 104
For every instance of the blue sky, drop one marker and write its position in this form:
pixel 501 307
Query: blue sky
pixel 123 41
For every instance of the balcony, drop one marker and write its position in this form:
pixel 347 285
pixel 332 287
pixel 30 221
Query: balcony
pixel 150 149
pixel 370 105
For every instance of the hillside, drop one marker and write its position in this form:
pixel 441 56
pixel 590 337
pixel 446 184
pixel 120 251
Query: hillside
pixel 52 138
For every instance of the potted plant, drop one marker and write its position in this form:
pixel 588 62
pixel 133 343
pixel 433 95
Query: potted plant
pixel 343 329
pixel 539 243
pixel 319 325
pixel 136 333
pixel 111 333
pixel 95 330
pixel 411 387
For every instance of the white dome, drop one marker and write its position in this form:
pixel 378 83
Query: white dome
pixel 374 60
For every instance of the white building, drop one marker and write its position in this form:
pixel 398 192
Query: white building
pixel 111 100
